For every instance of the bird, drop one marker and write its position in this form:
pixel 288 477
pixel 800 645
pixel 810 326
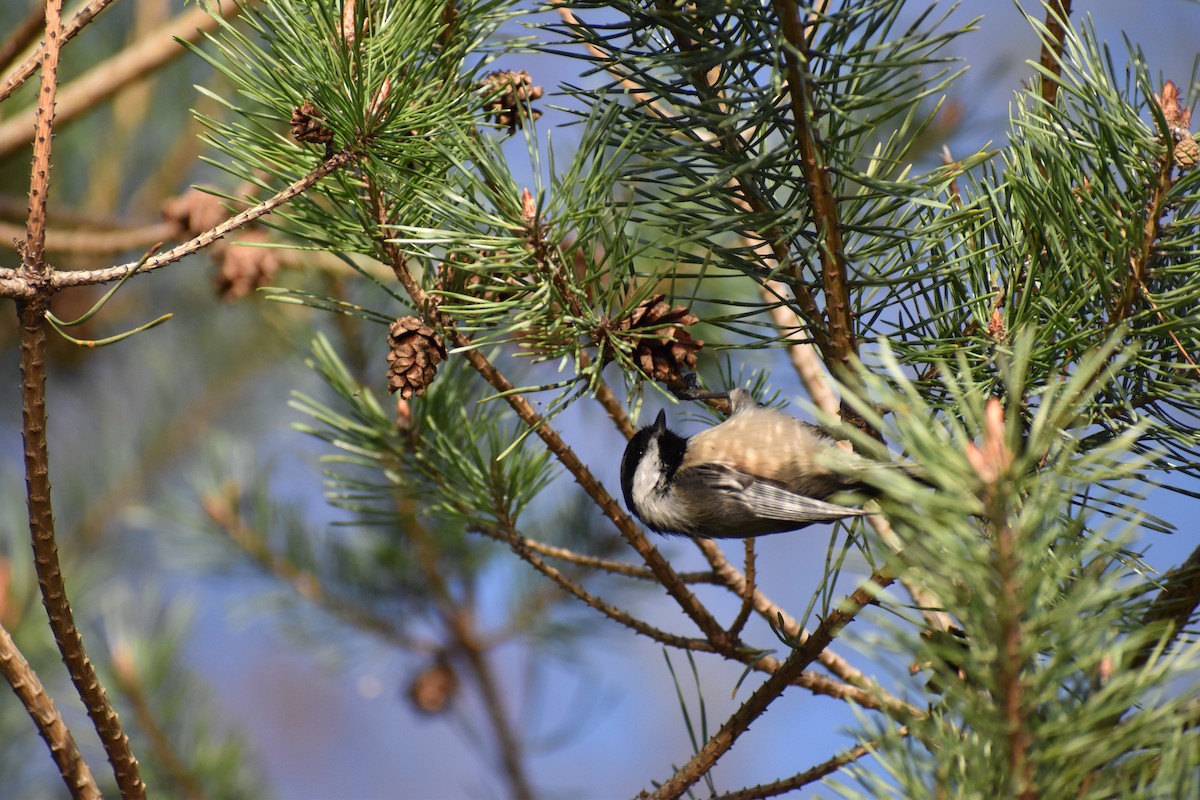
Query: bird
pixel 760 471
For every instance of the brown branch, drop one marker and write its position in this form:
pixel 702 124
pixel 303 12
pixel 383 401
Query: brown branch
pixel 840 346
pixel 521 546
pixel 92 242
pixel 1057 12
pixel 739 622
pixel 806 777
pixel 107 274
pixel 566 456
pixel 45 549
pixel 609 565
pixel 771 688
pixel 27 70
pixel 45 716
pixel 864 695
pixel 1174 605
pixel 35 272
pixel 21 36
pixel 774 614
pixel 132 64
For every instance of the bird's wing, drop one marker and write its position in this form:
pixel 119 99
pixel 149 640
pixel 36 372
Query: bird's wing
pixel 763 498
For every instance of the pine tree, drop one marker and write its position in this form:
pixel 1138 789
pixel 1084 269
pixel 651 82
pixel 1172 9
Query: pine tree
pixel 750 186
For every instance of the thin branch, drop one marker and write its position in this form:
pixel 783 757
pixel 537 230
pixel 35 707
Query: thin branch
pixel 865 695
pixel 806 777
pixel 92 242
pixel 609 565
pixel 21 36
pixel 1174 605
pixel 93 276
pixel 739 622
pixel 839 347
pixel 566 456
pixel 31 312
pixel 1057 12
pixel 758 702
pixel 27 70
pixel 132 64
pixel 49 722
pixel 521 547
pixel 774 614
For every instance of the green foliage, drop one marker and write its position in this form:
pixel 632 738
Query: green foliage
pixel 1077 235
pixel 1054 675
pixel 1024 321
pixel 398 90
pixel 721 162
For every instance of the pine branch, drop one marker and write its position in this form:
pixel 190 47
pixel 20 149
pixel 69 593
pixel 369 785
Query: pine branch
pixel 41 709
pixel 104 80
pixel 28 69
pixel 36 273
pixel 808 776
pixel 769 690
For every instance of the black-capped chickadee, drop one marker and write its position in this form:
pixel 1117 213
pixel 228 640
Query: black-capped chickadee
pixel 760 471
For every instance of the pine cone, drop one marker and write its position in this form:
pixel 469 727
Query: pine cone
pixel 416 350
pixel 1187 151
pixel 308 125
pixel 508 95
pixel 432 690
pixel 671 350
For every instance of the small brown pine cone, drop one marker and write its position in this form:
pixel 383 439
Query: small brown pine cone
pixel 671 350
pixel 416 350
pixel 509 94
pixel 432 689
pixel 308 125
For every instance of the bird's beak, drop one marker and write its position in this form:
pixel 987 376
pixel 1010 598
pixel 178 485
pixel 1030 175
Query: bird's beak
pixel 660 422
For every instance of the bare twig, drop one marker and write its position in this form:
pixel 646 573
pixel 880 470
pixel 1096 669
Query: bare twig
pixel 26 71
pixel 521 546
pixel 609 565
pixel 739 622
pixel 771 688
pixel 774 614
pixel 50 725
pixel 106 79
pixel 35 272
pixel 107 274
pixel 21 36
pixel 806 777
